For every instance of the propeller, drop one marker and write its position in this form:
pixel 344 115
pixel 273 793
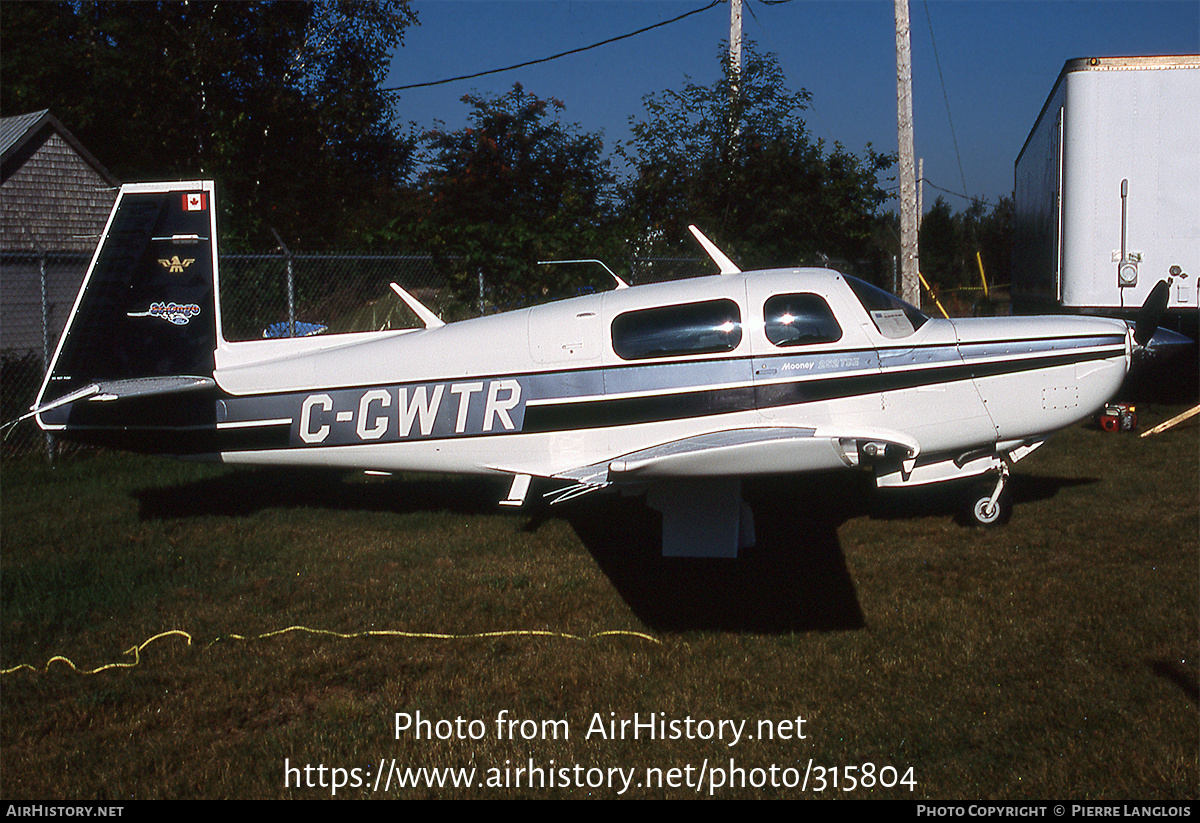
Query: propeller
pixel 1150 313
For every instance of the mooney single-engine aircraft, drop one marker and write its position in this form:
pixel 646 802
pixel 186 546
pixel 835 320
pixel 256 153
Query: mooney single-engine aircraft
pixel 679 389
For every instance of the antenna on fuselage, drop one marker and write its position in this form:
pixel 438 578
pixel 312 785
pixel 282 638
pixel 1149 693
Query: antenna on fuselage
pixel 726 265
pixel 431 320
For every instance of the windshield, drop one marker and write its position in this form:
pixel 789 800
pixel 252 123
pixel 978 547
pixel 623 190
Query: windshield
pixel 892 316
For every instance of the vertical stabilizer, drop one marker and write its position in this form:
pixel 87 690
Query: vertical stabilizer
pixel 145 320
pixel 147 307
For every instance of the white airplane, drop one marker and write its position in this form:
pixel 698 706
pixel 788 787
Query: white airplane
pixel 679 389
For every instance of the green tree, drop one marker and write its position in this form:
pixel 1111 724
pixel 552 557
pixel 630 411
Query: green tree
pixel 279 102
pixel 940 246
pixel 989 232
pixel 950 242
pixel 515 187
pixel 736 159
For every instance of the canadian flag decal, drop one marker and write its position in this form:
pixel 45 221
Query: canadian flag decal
pixel 196 201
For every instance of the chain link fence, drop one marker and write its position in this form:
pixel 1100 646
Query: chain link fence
pixel 296 295
pixel 644 270
pixel 37 291
pixel 261 296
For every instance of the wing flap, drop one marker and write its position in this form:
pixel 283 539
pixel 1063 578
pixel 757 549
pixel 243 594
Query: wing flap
pixel 743 452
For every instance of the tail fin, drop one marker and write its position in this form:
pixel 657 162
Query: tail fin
pixel 145 320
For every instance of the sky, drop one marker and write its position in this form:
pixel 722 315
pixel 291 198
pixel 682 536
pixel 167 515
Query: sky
pixel 998 59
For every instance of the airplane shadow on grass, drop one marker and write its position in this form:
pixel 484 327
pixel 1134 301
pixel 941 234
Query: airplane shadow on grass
pixel 795 578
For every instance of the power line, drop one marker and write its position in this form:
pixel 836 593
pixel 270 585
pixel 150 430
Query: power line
pixel 945 97
pixel 809 104
pixel 556 56
pixel 925 181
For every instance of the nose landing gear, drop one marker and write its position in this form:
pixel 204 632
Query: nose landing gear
pixel 990 505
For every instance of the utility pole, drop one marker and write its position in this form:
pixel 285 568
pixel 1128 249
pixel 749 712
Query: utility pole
pixel 735 36
pixel 735 68
pixel 920 193
pixel 909 260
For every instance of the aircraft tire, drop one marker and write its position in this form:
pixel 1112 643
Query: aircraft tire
pixel 978 513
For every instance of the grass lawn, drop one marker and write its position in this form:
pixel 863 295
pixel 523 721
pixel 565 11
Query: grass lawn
pixel 869 646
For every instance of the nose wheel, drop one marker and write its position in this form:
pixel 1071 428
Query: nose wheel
pixel 990 504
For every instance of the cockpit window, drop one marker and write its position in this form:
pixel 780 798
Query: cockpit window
pixel 692 328
pixel 892 316
pixel 800 320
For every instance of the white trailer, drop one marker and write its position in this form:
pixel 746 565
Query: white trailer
pixel 1107 190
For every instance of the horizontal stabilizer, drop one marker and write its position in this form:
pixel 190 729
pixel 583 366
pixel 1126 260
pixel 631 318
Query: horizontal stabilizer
pixel 146 386
pixel 122 390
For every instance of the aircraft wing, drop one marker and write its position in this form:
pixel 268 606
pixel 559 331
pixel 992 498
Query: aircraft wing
pixel 742 452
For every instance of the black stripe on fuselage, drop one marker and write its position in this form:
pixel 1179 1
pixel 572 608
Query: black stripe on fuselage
pixel 643 409
pixel 183 441
pixel 182 424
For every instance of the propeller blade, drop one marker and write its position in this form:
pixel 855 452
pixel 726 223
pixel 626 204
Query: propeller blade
pixel 1150 313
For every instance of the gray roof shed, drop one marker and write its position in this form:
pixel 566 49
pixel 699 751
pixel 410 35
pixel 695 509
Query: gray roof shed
pixel 54 195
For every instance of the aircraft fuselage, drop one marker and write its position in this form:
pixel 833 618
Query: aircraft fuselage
pixel 680 387
pixel 543 391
